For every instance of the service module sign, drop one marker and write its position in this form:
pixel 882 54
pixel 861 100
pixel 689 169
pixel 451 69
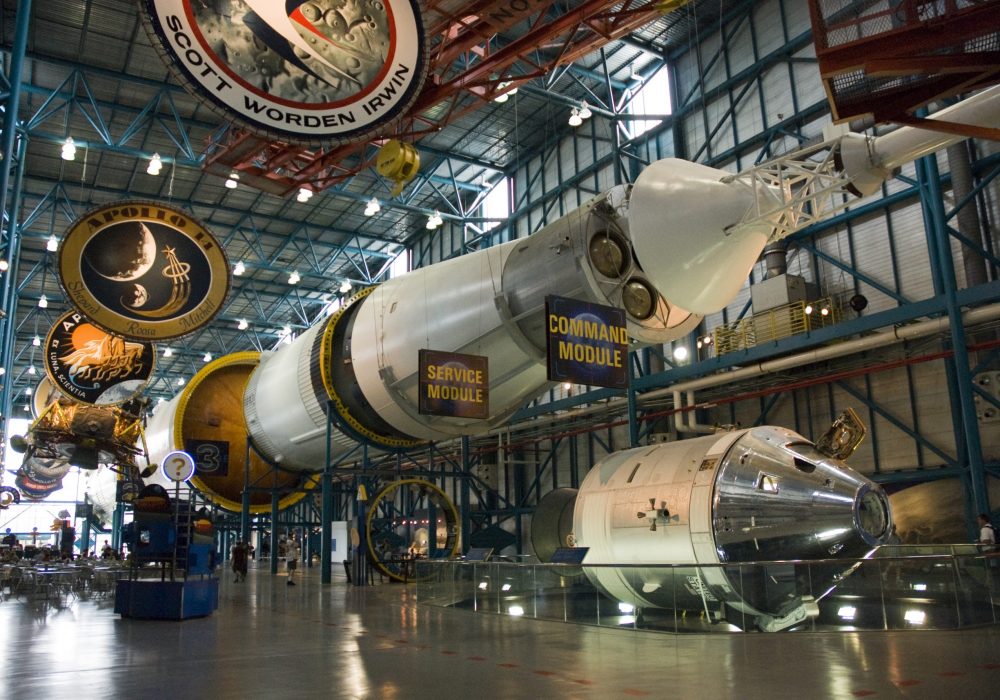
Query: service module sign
pixel 305 71
pixel 587 343
pixel 453 384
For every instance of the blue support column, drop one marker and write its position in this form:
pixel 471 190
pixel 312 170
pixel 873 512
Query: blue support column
pixel 963 402
pixel 245 504
pixel 465 496
pixel 326 512
pixel 274 532
pixel 117 520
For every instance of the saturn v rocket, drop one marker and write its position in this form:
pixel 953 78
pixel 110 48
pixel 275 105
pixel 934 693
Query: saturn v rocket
pixel 677 244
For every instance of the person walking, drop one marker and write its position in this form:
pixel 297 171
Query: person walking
pixel 292 560
pixel 238 560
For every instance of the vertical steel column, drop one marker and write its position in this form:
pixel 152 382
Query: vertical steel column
pixel 465 496
pixel 933 204
pixel 8 302
pixel 274 532
pixel 117 519
pixel 326 511
pixel 245 501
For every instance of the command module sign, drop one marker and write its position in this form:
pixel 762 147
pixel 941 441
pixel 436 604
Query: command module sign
pixel 587 343
pixel 452 384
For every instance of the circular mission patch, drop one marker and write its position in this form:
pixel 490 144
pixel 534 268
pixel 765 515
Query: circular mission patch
pixel 144 271
pixel 93 366
pixel 304 71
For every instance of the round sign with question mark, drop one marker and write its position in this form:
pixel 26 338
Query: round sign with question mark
pixel 178 466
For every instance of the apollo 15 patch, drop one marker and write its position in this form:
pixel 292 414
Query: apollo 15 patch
pixel 305 71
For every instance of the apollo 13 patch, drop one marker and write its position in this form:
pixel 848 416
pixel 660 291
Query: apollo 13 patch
pixel 93 366
pixel 144 271
pixel 305 71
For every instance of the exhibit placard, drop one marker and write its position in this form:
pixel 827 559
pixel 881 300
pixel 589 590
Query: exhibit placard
pixel 587 343
pixel 454 384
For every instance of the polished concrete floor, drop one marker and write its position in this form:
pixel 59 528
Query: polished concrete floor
pixel 270 640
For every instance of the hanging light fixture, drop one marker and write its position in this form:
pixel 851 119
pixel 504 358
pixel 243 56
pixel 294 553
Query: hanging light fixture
pixel 294 277
pixel 345 286
pixel 69 149
pixel 52 245
pixel 31 370
pixel 242 325
pixel 285 331
pixel 43 302
pixel 167 352
pixel 305 194
pixel 4 266
pixel 233 181
pixel 574 117
pixel 155 165
pixel 585 112
pixel 180 381
pixel 36 341
pixel 373 207
pixel 239 268
pixel 434 220
pixel 207 357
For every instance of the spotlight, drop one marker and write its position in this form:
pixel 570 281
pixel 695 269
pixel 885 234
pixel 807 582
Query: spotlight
pixel 4 266
pixel 52 245
pixel 294 277
pixel 574 117
pixel 859 302
pixel 43 302
pixel 243 325
pixel 27 392
pixel 680 353
pixel 373 207
pixel 155 165
pixel 345 287
pixel 69 149
pixel 239 269
pixel 36 341
pixel 305 194
pixel 32 371
pixel 180 381
pixel 233 181
pixel 585 112
pixel 808 309
pixel 207 357
pixel 167 352
pixel 434 220
pixel 824 311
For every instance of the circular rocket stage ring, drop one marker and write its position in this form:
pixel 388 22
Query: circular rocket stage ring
pixel 143 270
pixel 302 71
pixel 386 496
pixel 90 365
pixel 211 383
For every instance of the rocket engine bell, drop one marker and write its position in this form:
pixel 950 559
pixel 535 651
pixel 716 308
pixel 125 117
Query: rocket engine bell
pixel 714 503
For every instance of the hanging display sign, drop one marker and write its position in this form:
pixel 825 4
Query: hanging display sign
pixel 453 384
pixel 178 466
pixel 92 366
pixel 144 271
pixel 587 343
pixel 304 71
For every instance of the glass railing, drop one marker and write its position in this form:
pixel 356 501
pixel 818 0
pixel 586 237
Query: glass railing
pixel 900 587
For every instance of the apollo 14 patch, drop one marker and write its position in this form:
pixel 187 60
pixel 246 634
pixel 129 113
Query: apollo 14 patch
pixel 93 366
pixel 144 271
pixel 305 71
